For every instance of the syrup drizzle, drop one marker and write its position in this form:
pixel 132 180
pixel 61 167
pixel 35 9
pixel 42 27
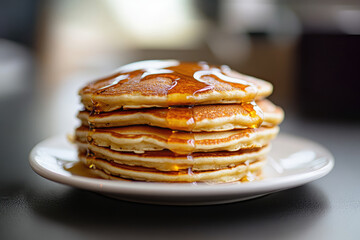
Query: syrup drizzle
pixel 117 80
pixel 187 79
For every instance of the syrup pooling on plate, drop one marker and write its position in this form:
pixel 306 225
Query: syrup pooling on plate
pixel 80 169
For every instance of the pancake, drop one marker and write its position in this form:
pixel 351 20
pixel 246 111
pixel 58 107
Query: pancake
pixel 112 170
pixel 171 121
pixel 273 115
pixel 142 138
pixel 164 83
pixel 251 175
pixel 196 119
pixel 166 160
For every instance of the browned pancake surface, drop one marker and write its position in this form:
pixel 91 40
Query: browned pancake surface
pixel 163 83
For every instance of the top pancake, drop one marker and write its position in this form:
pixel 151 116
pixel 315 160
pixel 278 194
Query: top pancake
pixel 164 83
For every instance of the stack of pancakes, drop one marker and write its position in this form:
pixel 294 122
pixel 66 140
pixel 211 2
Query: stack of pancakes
pixel 171 121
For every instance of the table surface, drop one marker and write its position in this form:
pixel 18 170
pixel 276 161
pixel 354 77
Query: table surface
pixel 35 208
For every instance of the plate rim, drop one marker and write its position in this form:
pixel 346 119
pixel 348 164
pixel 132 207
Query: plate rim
pixel 183 189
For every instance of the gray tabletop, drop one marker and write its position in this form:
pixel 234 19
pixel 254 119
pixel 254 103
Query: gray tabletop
pixel 34 208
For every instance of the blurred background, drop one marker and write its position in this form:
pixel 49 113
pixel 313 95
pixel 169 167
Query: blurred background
pixel 309 50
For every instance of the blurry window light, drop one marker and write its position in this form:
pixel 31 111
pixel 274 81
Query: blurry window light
pixel 158 23
pixel 15 66
pixel 247 15
pixel 348 20
pixel 260 16
pixel 231 42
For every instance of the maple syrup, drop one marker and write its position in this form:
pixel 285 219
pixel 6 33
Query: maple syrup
pixel 187 80
pixel 176 142
pixel 79 169
pixel 255 112
pixel 180 118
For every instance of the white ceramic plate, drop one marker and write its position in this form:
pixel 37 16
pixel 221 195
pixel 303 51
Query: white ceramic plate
pixel 292 162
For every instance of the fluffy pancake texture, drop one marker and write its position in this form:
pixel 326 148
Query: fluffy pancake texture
pixel 166 160
pixel 219 117
pixel 145 138
pixel 171 121
pixel 112 170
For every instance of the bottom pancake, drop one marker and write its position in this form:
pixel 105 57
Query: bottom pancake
pixel 166 160
pixel 249 177
pixel 243 172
